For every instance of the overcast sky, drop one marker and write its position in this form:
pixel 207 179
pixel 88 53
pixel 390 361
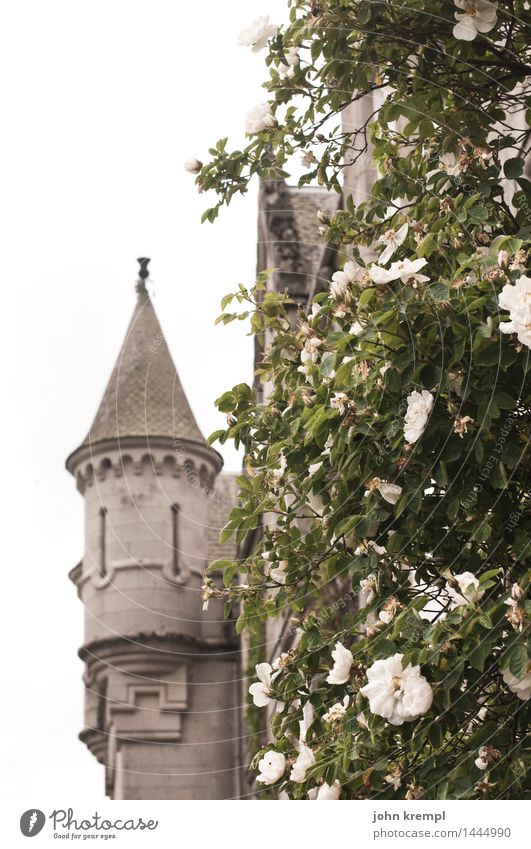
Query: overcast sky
pixel 101 103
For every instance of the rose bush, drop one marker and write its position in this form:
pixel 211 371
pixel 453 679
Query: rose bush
pixel 391 455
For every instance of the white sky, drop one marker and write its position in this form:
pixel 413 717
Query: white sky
pixel 101 102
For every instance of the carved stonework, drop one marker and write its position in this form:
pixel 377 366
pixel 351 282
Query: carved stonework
pixel 282 233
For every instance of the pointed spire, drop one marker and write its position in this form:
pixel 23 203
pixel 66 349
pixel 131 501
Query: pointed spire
pixel 144 395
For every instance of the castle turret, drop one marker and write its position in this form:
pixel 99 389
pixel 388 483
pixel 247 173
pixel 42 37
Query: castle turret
pixel 161 701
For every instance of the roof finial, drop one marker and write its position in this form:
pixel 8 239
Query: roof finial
pixel 143 274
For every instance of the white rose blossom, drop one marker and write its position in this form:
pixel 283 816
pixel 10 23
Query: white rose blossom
pixel 305 760
pixel 461 425
pixel 259 118
pixel 450 164
pixel 340 401
pixel 390 492
pixel 517 301
pixel 271 767
pixel 368 586
pixel 287 68
pixel 395 779
pixel 521 687
pixel 341 280
pixel 337 711
pixel 343 660
pixel 481 761
pixel 310 352
pixel 405 269
pixel 476 16
pixel 193 166
pixel 517 592
pixel 325 792
pixel 258 34
pixel 308 718
pixel 468 592
pixel 419 405
pixel 398 695
pixel 261 690
pixel 392 240
pixel 389 610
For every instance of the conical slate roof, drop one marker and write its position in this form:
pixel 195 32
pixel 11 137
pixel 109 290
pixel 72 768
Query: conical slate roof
pixel 144 396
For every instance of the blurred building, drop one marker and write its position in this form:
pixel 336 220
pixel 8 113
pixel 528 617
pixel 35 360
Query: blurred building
pixel 164 680
pixel 162 677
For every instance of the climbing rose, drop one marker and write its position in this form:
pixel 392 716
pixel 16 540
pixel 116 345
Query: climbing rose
pixel 286 69
pixel 477 16
pixel 343 661
pixel 467 593
pixel 419 406
pixel 517 301
pixel 261 690
pixel 308 718
pixel 450 164
pixel 399 695
pixel 520 686
pixel 260 118
pixel 340 401
pixel 337 711
pixel 392 240
pixel 405 269
pixel 389 610
pixel 339 286
pixel 305 760
pixel 368 586
pixel 258 34
pixel 271 767
pixel 390 492
pixel 193 166
pixel 310 352
pixel 481 761
pixel 325 791
pixel 341 279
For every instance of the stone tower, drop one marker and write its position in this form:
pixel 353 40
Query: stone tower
pixel 162 679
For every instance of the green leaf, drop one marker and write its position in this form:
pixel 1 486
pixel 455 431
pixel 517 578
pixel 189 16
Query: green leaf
pixel 518 660
pixel 513 168
pixel 478 656
pixel 426 246
pixel 498 477
pixel 366 296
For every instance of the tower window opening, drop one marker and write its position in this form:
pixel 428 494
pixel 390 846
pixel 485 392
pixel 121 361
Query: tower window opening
pixel 103 540
pixel 102 701
pixel 175 510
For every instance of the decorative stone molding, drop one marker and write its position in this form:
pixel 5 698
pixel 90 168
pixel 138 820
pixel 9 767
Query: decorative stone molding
pixel 80 578
pixel 199 476
pixel 152 653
